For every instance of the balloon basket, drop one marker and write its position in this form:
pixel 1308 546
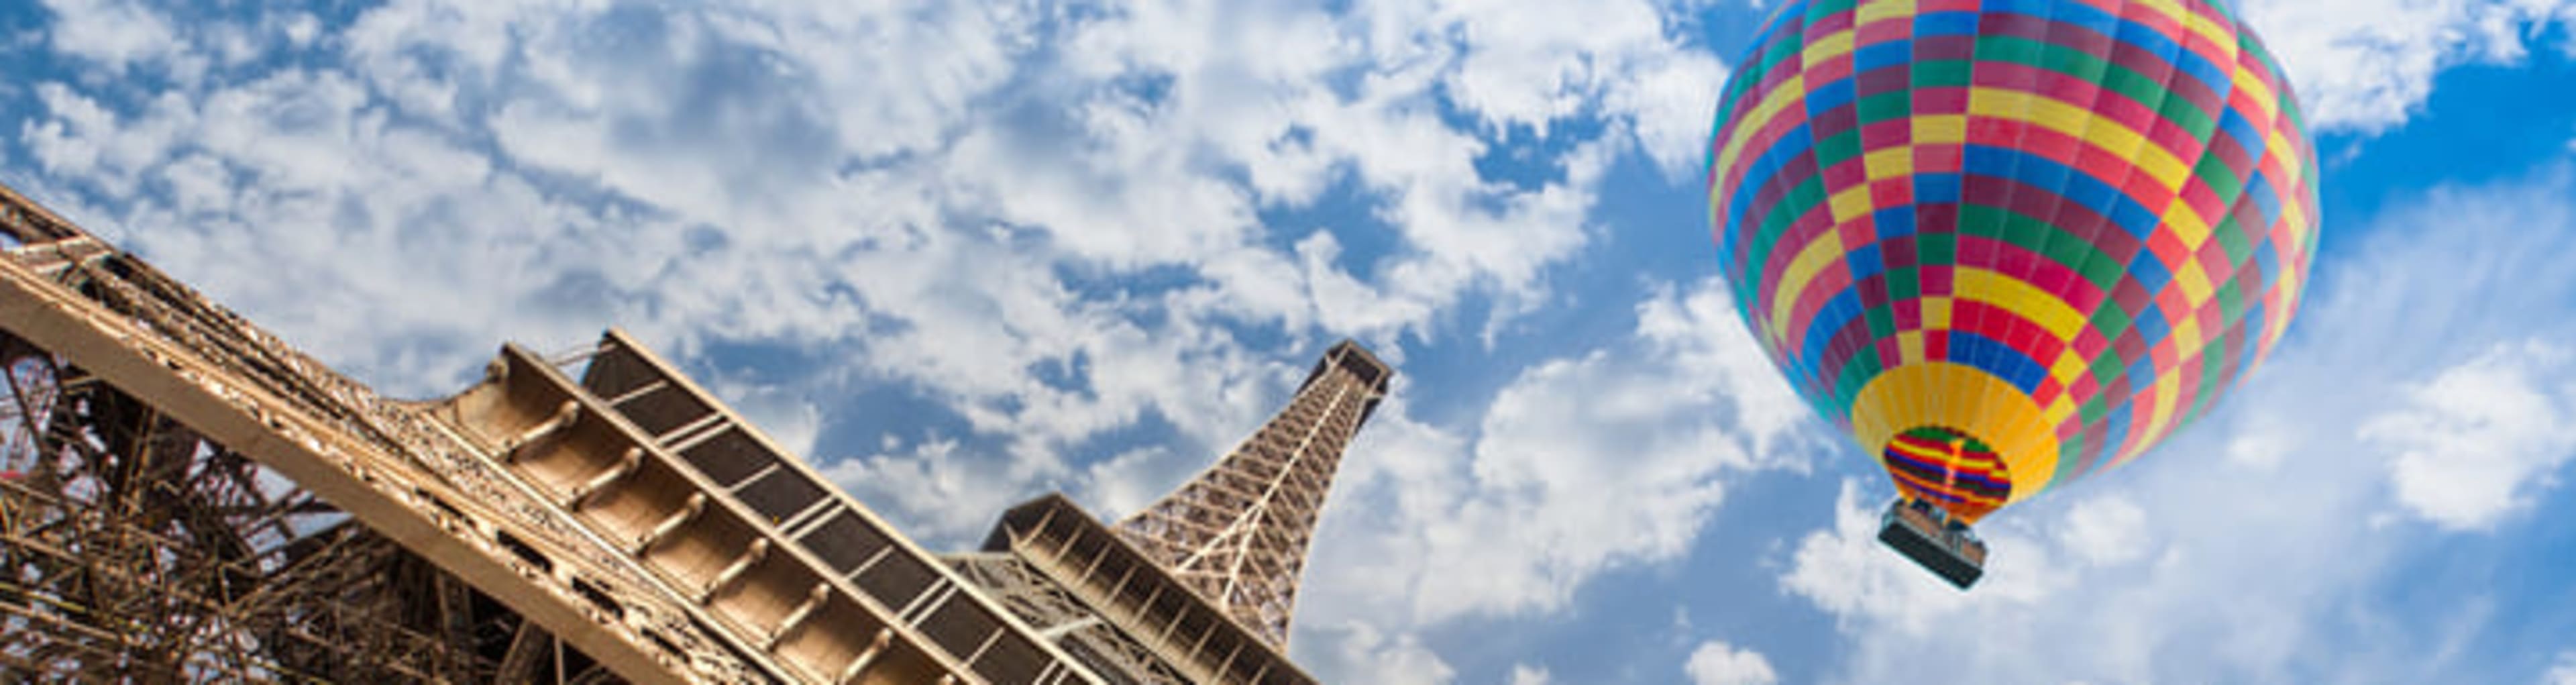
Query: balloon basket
pixel 1926 535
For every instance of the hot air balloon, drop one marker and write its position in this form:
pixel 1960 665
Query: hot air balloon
pixel 2009 244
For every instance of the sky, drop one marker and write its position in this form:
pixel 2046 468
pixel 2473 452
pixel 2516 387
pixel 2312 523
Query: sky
pixel 960 254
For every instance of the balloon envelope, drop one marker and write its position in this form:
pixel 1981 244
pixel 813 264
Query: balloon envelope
pixel 2011 243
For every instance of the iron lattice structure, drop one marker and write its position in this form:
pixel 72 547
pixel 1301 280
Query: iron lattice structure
pixel 189 499
pixel 1237 534
pixel 132 547
pixel 1199 587
pixel 186 498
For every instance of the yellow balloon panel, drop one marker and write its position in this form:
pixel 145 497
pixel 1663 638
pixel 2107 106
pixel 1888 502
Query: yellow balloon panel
pixel 1968 400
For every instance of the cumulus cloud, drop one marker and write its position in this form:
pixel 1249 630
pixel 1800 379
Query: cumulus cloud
pixel 1049 223
pixel 409 250
pixel 2366 65
pixel 1846 572
pixel 2478 441
pixel 947 497
pixel 1615 458
pixel 2106 530
pixel 1535 65
pixel 1717 663
pixel 1361 652
pixel 112 33
pixel 1670 95
pixel 2255 543
pixel 950 194
pixel 2563 672
pixel 1608 459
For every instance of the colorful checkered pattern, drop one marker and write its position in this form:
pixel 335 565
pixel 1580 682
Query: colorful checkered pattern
pixel 2062 227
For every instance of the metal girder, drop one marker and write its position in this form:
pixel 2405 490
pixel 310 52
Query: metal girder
pixel 1237 534
pixel 130 547
pixel 184 497
pixel 198 395
pixel 1200 586
pixel 766 547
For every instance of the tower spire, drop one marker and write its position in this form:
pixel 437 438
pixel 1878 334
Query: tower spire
pixel 1238 532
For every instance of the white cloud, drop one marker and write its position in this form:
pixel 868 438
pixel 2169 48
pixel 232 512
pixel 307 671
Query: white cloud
pixel 1127 482
pixel 1845 571
pixel 87 140
pixel 1611 459
pixel 1357 95
pixel 2255 548
pixel 300 28
pixel 2368 64
pixel 1362 653
pixel 1717 663
pixel 1534 65
pixel 1673 101
pixel 2106 530
pixel 1525 674
pixel 2480 440
pixel 934 190
pixel 115 33
pixel 787 416
pixel 411 253
pixel 2562 672
pixel 947 498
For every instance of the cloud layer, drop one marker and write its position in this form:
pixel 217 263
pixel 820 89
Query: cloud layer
pixel 1717 663
pixel 2366 65
pixel 962 252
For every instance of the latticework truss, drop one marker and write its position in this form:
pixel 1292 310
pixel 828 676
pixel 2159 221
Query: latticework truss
pixel 186 498
pixel 1061 616
pixel 1237 533
pixel 132 548
pixel 189 499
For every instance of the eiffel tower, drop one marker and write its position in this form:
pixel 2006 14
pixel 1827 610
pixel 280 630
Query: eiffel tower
pixel 1199 586
pixel 185 497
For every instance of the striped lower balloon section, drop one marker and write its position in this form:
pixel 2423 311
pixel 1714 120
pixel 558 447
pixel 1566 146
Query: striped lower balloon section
pixel 2063 226
pixel 1949 468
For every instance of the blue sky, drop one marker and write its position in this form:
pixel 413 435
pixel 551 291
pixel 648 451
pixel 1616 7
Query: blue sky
pixel 965 253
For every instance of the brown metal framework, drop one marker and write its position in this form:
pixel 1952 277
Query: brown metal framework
pixel 1199 587
pixel 130 546
pixel 776 556
pixel 190 500
pixel 1079 584
pixel 1238 532
pixel 185 498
